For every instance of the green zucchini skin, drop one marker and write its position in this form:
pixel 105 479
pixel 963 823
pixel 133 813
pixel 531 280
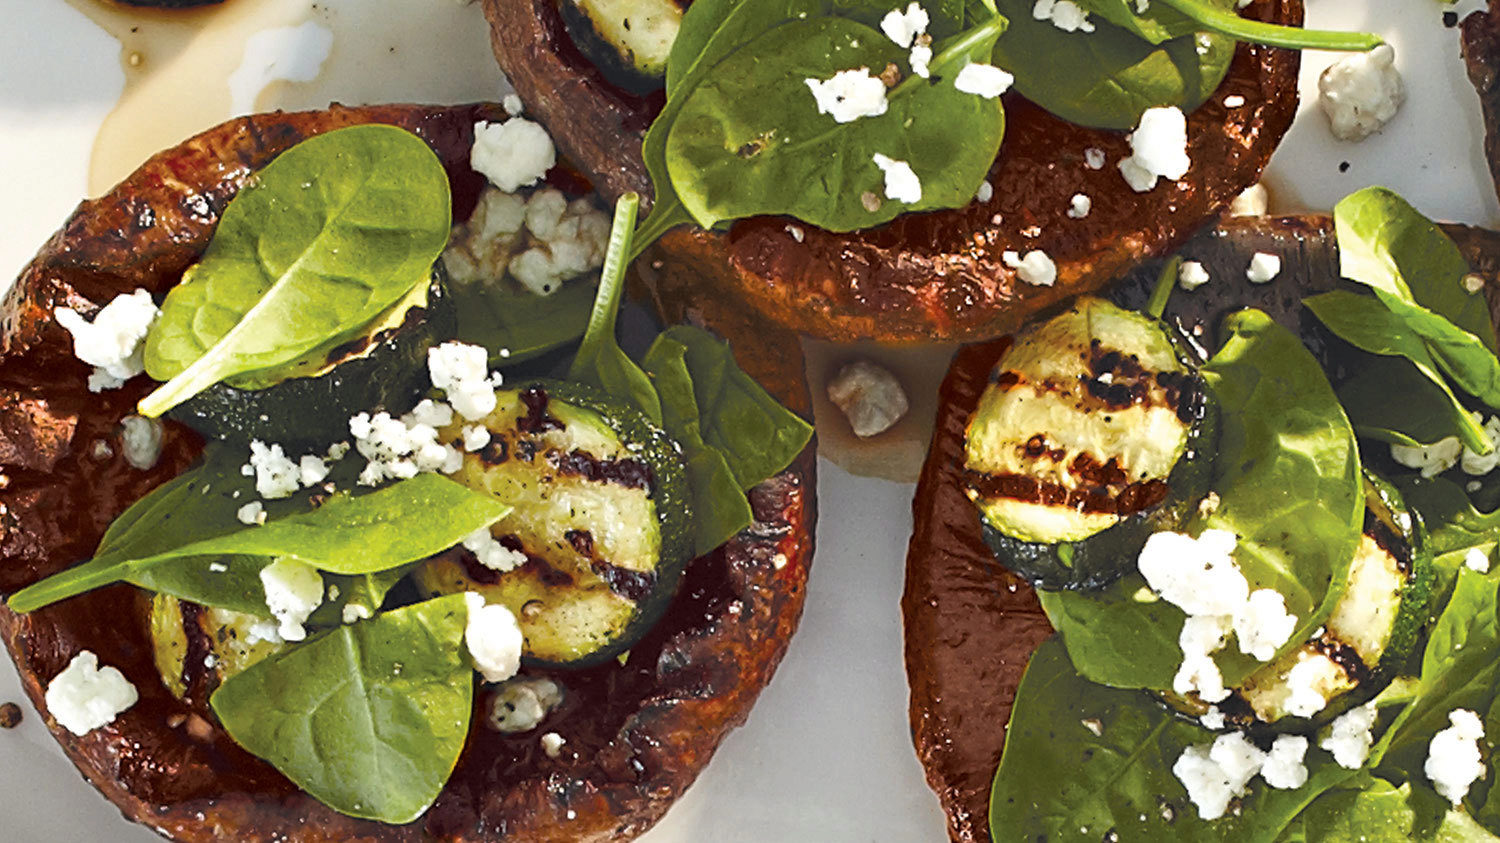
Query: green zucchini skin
pixel 627 40
pixel 1095 561
pixel 385 371
pixel 547 605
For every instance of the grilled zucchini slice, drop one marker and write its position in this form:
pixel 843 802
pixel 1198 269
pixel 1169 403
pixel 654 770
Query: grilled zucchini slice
pixel 1094 432
pixel 197 647
pixel 600 515
pixel 628 40
pixel 309 401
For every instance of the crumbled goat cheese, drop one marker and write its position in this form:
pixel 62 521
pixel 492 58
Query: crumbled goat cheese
pixel 276 476
pixel 1309 684
pixel 1093 158
pixel 1197 575
pixel 1263 624
pixel 1283 768
pixel 1158 149
pixel 398 449
pixel 512 154
pixel 111 343
pixel 985 193
pixel 522 703
pixel 1454 761
pixel 262 631
pixel 1079 206
pixel 355 612
pixel 1361 92
pixel 1191 275
pixel 849 95
pixel 568 240
pixel 462 371
pixel 1472 282
pixel 512 105
pixel 251 513
pixel 1350 736
pixel 552 744
pixel 476 436
pixel 920 59
pixel 904 27
pixel 1234 101
pixel 491 553
pixel 1477 560
pixel 1253 201
pixel 293 590
pixel 1213 718
pixel 1238 758
pixel 312 470
pixel 1199 674
pixel 493 637
pixel 870 396
pixel 984 80
pixel 901 182
pixel 1475 463
pixel 1036 268
pixel 1264 266
pixel 85 696
pixel 431 413
pixel 140 441
pixel 1063 14
pixel 1207 784
pixel 1430 460
pixel 480 249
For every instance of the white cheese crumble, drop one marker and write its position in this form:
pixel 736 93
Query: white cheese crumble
pixel 568 240
pixel 1430 460
pixel 522 703
pixel 398 449
pixel 491 553
pixel 1283 768
pixel 276 476
pixel 920 59
pixel 1361 92
pixel 293 590
pixel 1477 560
pixel 983 80
pixel 1191 275
pixel 1197 575
pixel 1093 158
pixel 1472 282
pixel 111 343
pixel 1158 149
pixel 870 396
pixel 1216 773
pixel 1454 761
pixel 312 470
pixel 355 612
pixel 849 95
pixel 140 441
pixel 512 105
pixel 493 637
pixel 1035 268
pixel 1310 682
pixel 1213 718
pixel 1264 266
pixel 901 182
pixel 251 513
pixel 1253 201
pixel 85 696
pixel 1263 624
pixel 904 27
pixel 512 154
pixel 1350 736
pixel 1234 101
pixel 462 372
pixel 1063 14
pixel 1079 206
pixel 552 744
pixel 475 436
pixel 480 249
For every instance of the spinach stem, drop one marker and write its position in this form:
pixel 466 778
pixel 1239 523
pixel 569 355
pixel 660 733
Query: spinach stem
pixel 960 44
pixel 617 257
pixel 1162 292
pixel 1270 34
pixel 665 215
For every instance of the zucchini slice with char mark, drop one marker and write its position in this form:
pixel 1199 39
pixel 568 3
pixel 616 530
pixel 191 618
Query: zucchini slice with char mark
pixel 197 647
pixel 600 516
pixel 1372 631
pixel 627 40
pixel 1094 432
pixel 309 401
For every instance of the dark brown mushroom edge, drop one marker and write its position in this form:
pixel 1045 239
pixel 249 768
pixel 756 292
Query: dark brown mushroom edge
pixel 971 626
pixel 931 276
pixel 637 733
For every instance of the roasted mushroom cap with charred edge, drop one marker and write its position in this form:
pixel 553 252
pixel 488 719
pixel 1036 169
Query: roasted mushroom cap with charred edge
pixel 931 276
pixel 971 625
pixel 637 733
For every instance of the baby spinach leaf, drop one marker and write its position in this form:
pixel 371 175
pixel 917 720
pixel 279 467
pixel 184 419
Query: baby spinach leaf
pixel 227 582
pixel 1059 780
pixel 368 719
pixel 1368 809
pixel 1459 669
pixel 1216 19
pixel 1451 520
pixel 1158 23
pixel 751 129
pixel 720 508
pixel 1425 412
pixel 522 323
pixel 347 535
pixel 367 591
pixel 1112 75
pixel 1369 325
pixel 600 360
pixel 1288 479
pixel 329 234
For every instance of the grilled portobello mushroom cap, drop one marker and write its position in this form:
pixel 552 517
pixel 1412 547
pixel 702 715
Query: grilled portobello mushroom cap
pixel 930 276
pixel 971 625
pixel 637 733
